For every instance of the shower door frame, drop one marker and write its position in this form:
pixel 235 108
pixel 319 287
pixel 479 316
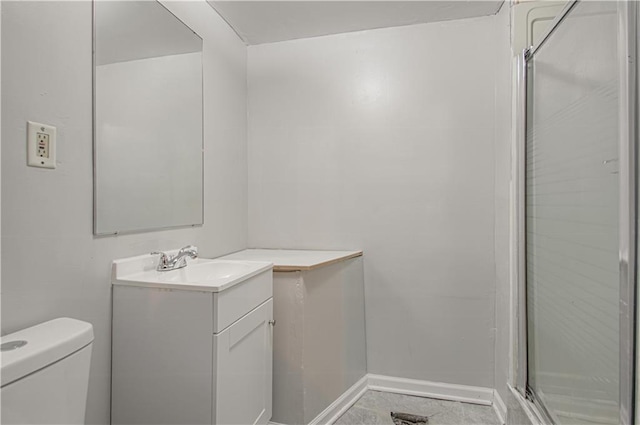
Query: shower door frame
pixel 628 16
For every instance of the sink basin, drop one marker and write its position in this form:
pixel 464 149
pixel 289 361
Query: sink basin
pixel 200 274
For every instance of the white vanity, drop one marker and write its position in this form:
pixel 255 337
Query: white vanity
pixel 194 345
pixel 319 349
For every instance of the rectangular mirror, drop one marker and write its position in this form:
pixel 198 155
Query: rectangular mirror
pixel 148 119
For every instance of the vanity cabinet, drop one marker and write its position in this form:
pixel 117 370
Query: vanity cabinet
pixel 319 345
pixel 193 355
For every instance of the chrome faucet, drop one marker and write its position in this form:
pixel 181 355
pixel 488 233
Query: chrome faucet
pixel 178 261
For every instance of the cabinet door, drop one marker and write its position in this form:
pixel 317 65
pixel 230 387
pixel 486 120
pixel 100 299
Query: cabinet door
pixel 161 356
pixel 243 369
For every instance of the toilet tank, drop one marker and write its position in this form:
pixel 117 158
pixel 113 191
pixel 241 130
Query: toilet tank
pixel 45 373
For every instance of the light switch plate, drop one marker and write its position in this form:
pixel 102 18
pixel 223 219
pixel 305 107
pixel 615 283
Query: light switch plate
pixel 41 145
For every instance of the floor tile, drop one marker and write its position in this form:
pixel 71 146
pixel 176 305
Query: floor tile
pixel 375 407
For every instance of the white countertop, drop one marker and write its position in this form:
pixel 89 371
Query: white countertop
pixel 199 275
pixel 287 260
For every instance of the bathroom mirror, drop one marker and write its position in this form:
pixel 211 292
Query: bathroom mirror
pixel 148 122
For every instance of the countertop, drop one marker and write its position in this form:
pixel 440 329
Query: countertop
pixel 290 260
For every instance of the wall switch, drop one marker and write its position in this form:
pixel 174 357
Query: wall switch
pixel 41 145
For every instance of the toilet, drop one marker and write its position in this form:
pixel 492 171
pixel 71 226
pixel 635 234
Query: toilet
pixel 45 373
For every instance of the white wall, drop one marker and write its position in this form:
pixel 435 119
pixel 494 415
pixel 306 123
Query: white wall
pixel 52 264
pixel 503 202
pixel 0 161
pixel 384 140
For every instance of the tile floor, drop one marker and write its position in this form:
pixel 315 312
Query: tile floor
pixel 374 407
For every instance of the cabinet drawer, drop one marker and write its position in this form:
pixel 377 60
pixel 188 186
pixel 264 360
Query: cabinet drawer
pixel 233 303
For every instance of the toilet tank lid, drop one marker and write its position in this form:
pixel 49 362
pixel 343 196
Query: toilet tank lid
pixel 47 343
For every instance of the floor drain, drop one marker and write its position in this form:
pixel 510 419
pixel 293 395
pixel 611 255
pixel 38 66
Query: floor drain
pixel 408 419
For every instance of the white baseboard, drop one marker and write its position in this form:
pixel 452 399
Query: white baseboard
pixel 439 390
pixel 499 407
pixel 342 404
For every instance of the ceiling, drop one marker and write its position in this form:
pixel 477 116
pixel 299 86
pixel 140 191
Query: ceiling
pixel 258 22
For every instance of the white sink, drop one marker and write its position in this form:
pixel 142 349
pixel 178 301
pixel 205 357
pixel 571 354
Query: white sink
pixel 200 274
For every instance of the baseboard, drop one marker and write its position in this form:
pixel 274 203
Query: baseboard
pixel 342 404
pixel 439 390
pixel 500 407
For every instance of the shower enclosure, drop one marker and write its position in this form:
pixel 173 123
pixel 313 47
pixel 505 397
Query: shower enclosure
pixel 578 216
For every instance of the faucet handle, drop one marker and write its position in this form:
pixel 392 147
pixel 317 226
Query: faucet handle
pixel 190 250
pixel 164 259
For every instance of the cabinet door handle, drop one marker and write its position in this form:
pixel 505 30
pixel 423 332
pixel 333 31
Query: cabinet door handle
pixel 272 322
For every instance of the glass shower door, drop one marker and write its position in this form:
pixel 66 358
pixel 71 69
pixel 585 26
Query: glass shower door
pixel 571 218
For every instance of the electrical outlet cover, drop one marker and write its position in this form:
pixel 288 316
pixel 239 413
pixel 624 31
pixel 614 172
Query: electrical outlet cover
pixel 45 157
